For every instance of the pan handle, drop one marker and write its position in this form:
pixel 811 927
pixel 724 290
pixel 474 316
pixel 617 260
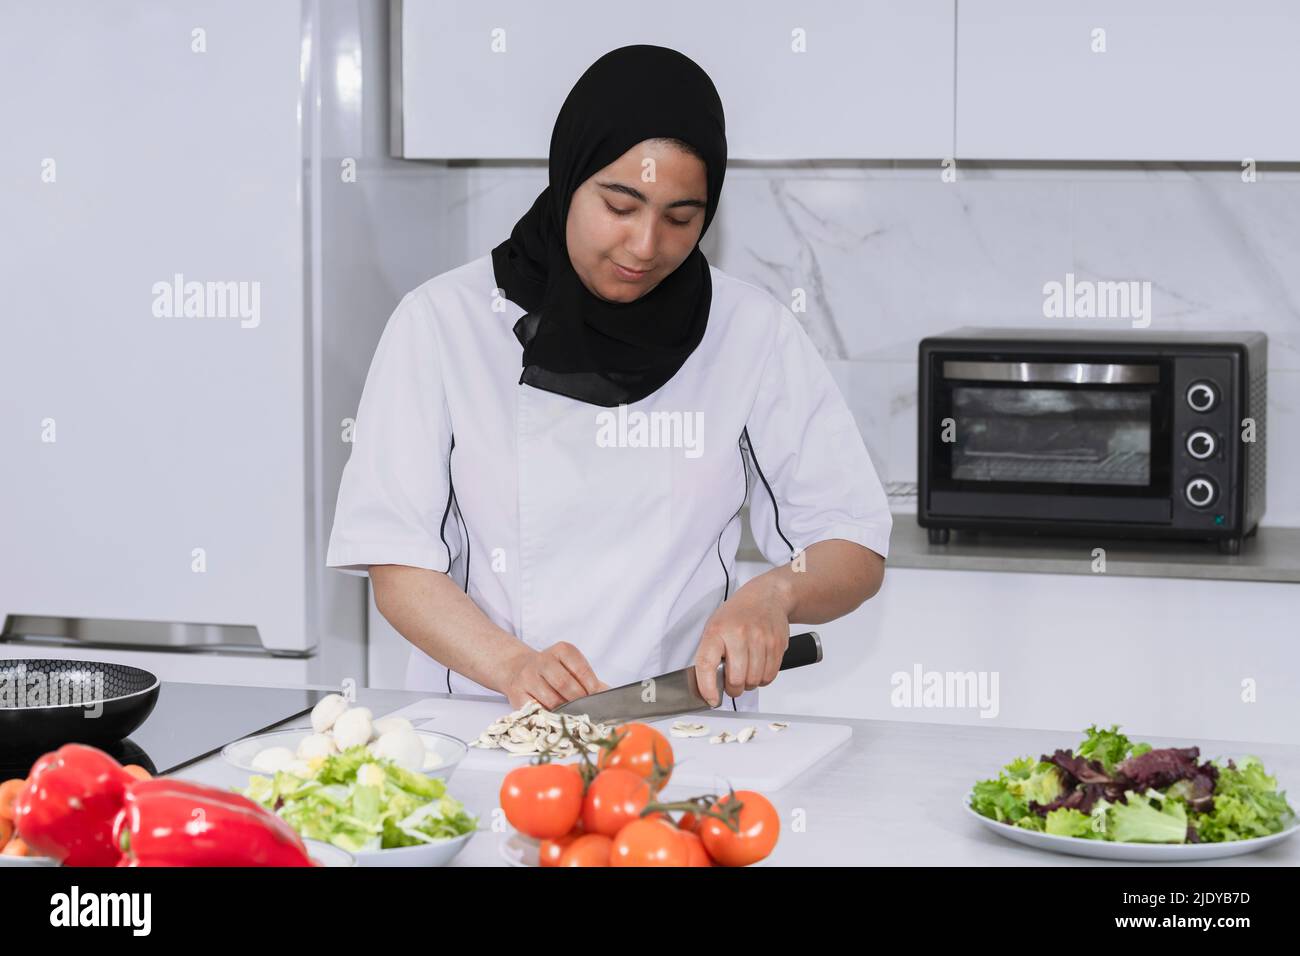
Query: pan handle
pixel 802 650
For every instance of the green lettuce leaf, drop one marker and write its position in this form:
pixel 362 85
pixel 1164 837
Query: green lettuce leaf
pixel 1147 818
pixel 1110 747
pixel 1006 797
pixel 1247 804
pixel 1064 821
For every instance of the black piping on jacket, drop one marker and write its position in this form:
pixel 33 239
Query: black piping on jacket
pixel 726 589
pixel 442 531
pixel 776 511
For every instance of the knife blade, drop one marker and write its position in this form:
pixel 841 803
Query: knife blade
pixel 676 692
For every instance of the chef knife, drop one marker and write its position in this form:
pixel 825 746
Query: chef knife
pixel 676 692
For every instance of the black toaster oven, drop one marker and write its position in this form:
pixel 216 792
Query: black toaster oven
pixel 1128 434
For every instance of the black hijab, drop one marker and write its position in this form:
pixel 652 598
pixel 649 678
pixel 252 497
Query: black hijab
pixel 576 343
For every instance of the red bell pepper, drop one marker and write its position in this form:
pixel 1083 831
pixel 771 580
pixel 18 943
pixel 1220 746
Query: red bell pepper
pixel 167 822
pixel 68 807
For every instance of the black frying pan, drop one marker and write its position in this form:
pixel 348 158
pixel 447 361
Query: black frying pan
pixel 85 702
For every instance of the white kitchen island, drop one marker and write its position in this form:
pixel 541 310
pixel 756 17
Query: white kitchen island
pixel 892 795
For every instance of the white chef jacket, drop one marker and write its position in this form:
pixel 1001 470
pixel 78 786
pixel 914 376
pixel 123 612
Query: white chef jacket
pixel 613 529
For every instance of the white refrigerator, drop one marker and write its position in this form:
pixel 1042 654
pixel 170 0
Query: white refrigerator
pixel 204 236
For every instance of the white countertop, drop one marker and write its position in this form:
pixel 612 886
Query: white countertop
pixel 891 796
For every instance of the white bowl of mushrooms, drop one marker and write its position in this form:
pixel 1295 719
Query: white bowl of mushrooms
pixel 336 726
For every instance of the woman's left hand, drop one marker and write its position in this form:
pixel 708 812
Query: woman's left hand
pixel 750 631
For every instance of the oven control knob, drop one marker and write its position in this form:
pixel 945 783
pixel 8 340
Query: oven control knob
pixel 1201 444
pixel 1202 396
pixel 1201 492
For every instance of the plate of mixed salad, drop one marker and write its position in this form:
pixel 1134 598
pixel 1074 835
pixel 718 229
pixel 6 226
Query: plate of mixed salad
pixel 1115 799
pixel 377 810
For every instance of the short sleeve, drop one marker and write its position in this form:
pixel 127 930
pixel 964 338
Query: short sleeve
pixel 395 494
pixel 814 479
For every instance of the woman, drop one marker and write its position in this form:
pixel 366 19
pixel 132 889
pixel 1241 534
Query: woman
pixel 550 535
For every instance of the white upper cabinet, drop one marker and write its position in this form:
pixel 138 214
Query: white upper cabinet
pixel 1182 80
pixel 818 79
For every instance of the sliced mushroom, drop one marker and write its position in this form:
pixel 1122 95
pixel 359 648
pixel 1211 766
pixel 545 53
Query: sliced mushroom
pixel 685 728
pixel 522 748
pixel 532 729
pixel 522 735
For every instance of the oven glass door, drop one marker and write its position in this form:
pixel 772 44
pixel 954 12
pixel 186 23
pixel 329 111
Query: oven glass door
pixel 1094 429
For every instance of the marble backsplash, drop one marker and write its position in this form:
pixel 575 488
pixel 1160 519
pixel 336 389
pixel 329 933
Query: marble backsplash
pixel 888 253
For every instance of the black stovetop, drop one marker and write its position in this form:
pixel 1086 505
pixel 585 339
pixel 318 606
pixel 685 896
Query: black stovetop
pixel 192 721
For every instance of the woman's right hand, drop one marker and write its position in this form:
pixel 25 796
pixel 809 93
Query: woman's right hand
pixel 552 676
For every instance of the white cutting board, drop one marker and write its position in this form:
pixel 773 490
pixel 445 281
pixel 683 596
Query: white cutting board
pixel 767 762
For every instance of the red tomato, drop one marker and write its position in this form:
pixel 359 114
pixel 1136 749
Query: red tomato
pixel 615 798
pixel 696 855
pixel 759 828
pixel 649 843
pixel 551 850
pixel 639 745
pixel 689 822
pixel 9 791
pixel 590 849
pixel 542 801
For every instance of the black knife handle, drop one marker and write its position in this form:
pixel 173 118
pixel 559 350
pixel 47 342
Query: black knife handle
pixel 803 649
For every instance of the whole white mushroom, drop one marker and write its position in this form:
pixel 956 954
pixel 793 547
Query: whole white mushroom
pixel 272 759
pixel 386 725
pixel 327 710
pixel 352 728
pixel 402 747
pixel 317 745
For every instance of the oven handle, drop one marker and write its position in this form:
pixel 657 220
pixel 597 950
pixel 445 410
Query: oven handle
pixel 1067 373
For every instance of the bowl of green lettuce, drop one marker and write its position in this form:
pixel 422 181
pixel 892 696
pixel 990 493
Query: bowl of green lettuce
pixel 1113 797
pixel 381 813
